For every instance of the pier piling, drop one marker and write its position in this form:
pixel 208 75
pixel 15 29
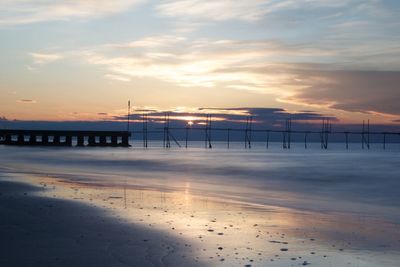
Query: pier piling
pixel 247 132
pixel 208 132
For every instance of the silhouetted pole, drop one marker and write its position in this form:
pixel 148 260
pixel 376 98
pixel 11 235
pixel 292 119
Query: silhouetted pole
pixel 167 142
pixel 286 134
pixel 267 139
pixel 347 139
pixel 129 113
pixel 250 131
pixel 289 132
pixel 167 130
pixel 384 141
pixel 165 123
pixel 368 135
pixel 186 136
pixel 247 133
pixel 208 132
pixel 326 129
pixel 362 135
pixel 305 140
pixel 365 131
pixel 145 139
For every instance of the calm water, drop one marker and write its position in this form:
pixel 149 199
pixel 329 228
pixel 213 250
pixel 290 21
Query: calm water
pixel 336 179
pixel 332 207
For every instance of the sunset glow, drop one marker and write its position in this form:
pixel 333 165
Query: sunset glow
pixel 334 58
pixel 200 133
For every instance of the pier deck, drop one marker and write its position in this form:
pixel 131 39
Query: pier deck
pixel 65 138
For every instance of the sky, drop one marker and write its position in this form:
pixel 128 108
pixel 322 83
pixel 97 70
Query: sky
pixel 64 60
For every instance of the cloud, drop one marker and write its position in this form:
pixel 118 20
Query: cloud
pixel 250 10
pixel 206 63
pixel 26 101
pixel 256 10
pixel 225 116
pixel 354 91
pixel 117 77
pixel 151 42
pixel 303 74
pixel 43 58
pixel 14 12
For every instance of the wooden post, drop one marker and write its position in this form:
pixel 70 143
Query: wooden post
pixel 186 135
pixel 114 140
pixel 362 135
pixel 21 139
pixel 125 140
pixel 80 141
pixel 247 132
pixel 145 140
pixel 305 140
pixel 207 140
pixel 32 139
pixel 91 140
pixel 68 140
pixel 45 139
pixel 384 141
pixel 103 140
pixel 8 139
pixel 56 140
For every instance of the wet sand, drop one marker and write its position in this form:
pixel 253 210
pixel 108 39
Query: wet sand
pixel 38 230
pixel 68 222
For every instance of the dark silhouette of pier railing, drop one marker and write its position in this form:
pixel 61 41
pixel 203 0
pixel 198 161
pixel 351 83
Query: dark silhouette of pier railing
pixel 64 138
pixel 121 138
pixel 324 134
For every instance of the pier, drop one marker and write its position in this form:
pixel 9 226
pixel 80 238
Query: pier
pixel 65 138
pixel 287 132
pixel 206 131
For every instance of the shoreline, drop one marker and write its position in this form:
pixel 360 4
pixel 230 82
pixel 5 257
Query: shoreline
pixel 210 232
pixel 45 231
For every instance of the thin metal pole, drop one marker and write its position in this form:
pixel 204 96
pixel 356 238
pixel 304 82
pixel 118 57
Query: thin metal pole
pixel 186 137
pixel 209 134
pixel 129 113
pixel 206 132
pixel 245 132
pixel 384 141
pixel 251 124
pixel 362 135
pixel 289 132
pixel 168 135
pixel 305 141
pixel 368 135
pixel 165 128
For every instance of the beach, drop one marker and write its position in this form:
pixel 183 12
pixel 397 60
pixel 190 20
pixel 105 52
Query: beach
pixel 45 231
pixel 135 207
